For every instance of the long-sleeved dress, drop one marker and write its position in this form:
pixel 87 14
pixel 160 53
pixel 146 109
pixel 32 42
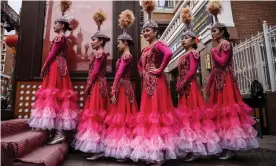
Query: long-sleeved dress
pixel 232 116
pixel 122 115
pixel 197 129
pixel 91 127
pixel 156 132
pixel 56 104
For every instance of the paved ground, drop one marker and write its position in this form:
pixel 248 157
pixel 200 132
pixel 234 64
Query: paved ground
pixel 264 156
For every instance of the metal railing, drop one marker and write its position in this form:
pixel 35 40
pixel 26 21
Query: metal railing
pixel 255 59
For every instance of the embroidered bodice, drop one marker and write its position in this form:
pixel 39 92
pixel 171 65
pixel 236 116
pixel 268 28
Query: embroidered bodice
pixel 187 67
pixel 223 63
pixel 156 56
pixel 102 57
pixel 122 77
pixel 127 71
pixel 97 70
pixel 58 52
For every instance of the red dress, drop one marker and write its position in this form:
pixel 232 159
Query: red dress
pixel 197 130
pixel 156 130
pixel 91 127
pixel 232 116
pixel 121 118
pixel 56 102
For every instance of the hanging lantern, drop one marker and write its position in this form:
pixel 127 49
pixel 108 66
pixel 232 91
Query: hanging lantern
pixel 11 41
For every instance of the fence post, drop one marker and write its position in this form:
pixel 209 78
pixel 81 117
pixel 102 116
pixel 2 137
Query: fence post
pixel 269 57
pixel 259 61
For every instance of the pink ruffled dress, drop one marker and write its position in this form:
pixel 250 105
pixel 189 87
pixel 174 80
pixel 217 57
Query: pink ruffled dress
pixel 156 129
pixel 121 118
pixel 197 132
pixel 56 104
pixel 91 127
pixel 232 117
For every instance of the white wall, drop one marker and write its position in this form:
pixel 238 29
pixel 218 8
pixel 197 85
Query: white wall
pixel 226 16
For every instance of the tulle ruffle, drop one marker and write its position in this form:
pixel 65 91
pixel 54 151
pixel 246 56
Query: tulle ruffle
pixel 119 119
pixel 119 135
pixel 156 137
pixel 232 117
pixel 54 109
pixel 89 141
pixel 91 129
pixel 234 127
pixel 197 132
pixel 118 146
pixel 43 118
pixel 154 148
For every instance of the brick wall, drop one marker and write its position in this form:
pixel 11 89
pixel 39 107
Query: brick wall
pixel 162 17
pixel 249 15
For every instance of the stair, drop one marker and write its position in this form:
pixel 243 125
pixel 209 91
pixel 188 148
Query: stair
pixel 52 155
pixel 22 146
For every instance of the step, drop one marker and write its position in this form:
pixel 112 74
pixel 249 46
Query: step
pixel 47 155
pixel 7 154
pixel 11 127
pixel 26 141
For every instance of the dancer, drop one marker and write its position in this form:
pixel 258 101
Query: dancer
pixel 121 118
pixel 156 130
pixel 233 120
pixel 198 137
pixel 56 103
pixel 91 128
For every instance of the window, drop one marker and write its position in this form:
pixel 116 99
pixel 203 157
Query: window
pixel 2 68
pixel 165 3
pixel 3 47
pixel 170 4
pixel 3 57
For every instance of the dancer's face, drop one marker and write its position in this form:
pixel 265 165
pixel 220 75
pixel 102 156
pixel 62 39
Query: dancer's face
pixel 187 41
pixel 96 43
pixel 216 33
pixel 121 45
pixel 58 27
pixel 149 34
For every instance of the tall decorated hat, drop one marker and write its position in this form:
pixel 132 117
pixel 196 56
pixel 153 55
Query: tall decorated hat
pixel 149 7
pixel 187 18
pixel 99 17
pixel 65 6
pixel 215 8
pixel 126 19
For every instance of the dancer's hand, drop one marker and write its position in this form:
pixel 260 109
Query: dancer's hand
pixel 155 71
pixel 43 71
pixel 86 92
pixel 113 99
pixel 207 91
pixel 178 89
pixel 214 51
